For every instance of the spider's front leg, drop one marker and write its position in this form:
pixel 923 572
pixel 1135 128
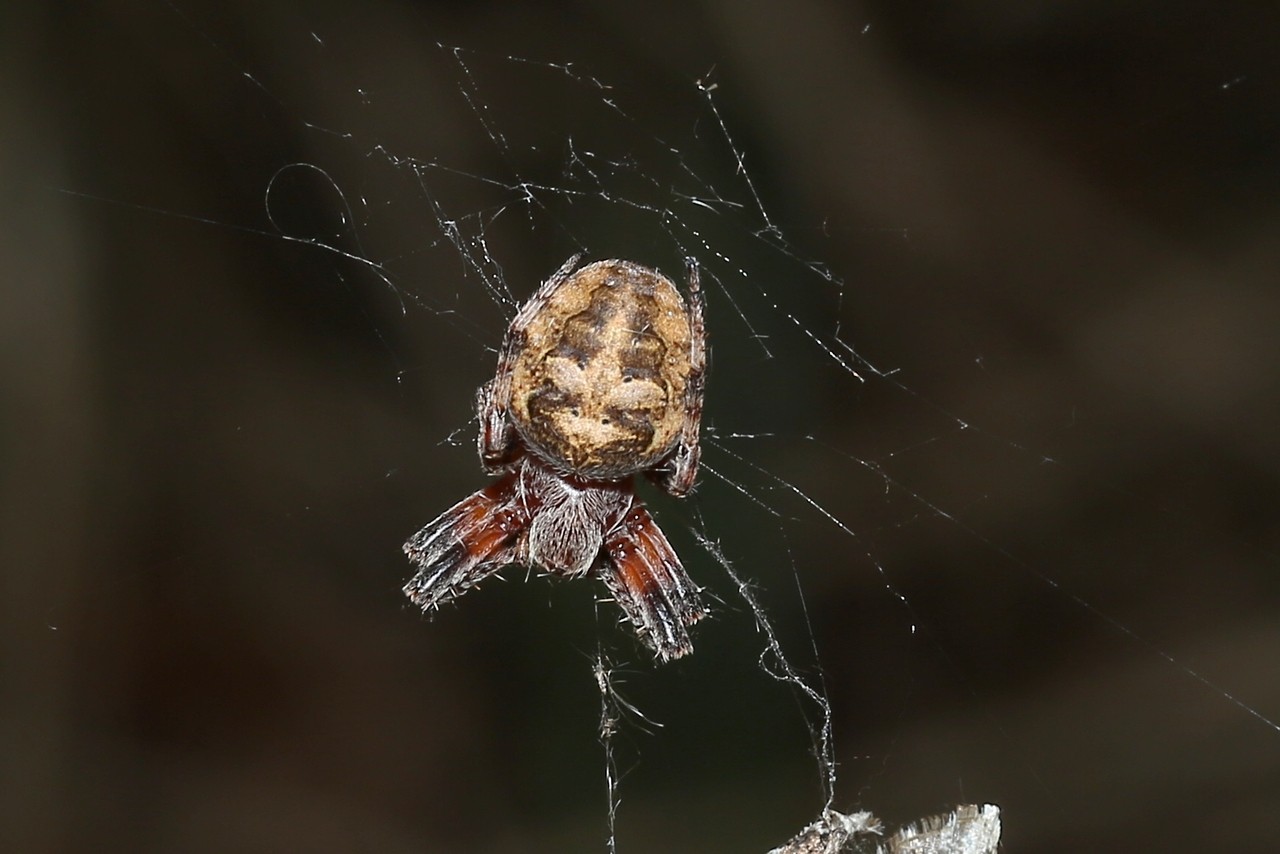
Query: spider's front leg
pixel 467 543
pixel 497 440
pixel 680 471
pixel 646 579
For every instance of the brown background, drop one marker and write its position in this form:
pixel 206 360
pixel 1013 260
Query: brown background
pixel 1057 221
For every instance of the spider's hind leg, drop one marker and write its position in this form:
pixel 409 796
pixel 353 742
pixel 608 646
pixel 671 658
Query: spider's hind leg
pixel 466 544
pixel 645 577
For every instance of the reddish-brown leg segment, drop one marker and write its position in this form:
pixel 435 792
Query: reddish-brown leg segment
pixel 467 543
pixel 646 579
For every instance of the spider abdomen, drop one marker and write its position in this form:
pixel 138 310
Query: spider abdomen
pixel 599 386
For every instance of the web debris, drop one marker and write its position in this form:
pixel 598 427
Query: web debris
pixel 967 829
pixel 614 711
pixel 775 663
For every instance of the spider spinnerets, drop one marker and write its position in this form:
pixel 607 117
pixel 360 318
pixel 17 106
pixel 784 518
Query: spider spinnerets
pixel 600 378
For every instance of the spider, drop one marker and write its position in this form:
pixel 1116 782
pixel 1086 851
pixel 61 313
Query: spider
pixel 600 378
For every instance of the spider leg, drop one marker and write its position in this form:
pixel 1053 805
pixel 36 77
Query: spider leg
pixel 497 440
pixel 677 475
pixel 466 544
pixel 646 579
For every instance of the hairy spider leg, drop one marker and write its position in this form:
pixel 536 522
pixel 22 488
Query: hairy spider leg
pixel 467 543
pixel 678 472
pixel 646 579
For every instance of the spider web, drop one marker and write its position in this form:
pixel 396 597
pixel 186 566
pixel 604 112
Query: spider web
pixel 878 470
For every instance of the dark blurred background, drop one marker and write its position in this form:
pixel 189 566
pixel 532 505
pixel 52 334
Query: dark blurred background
pixel 1057 222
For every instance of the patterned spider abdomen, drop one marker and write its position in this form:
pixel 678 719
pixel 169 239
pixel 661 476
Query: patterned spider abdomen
pixel 598 385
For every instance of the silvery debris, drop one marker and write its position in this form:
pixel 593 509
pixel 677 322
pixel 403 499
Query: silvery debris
pixel 968 829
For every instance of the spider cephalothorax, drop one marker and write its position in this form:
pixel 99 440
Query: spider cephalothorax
pixel 600 378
